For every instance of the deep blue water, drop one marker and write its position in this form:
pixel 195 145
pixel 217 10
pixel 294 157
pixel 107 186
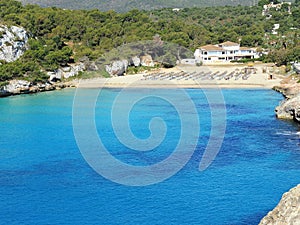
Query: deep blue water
pixel 44 179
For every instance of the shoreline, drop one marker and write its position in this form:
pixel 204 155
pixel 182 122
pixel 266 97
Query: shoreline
pixel 21 87
pixel 185 86
pixel 288 109
pixel 173 78
pixel 160 78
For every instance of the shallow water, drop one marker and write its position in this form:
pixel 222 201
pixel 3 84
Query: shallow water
pixel 44 179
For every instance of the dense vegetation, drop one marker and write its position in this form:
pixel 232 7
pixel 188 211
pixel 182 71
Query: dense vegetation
pixel 60 36
pixel 127 5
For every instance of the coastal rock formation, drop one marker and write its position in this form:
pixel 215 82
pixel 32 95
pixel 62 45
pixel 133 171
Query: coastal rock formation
pixel 287 212
pixel 147 60
pixel 16 87
pixel 136 61
pixel 13 42
pixel 117 68
pixel 66 72
pixel 289 109
pixel 288 90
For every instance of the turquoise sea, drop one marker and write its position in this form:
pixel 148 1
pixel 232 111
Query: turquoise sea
pixel 44 178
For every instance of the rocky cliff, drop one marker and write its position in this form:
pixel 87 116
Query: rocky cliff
pixel 13 42
pixel 287 212
pixel 17 87
pixel 290 107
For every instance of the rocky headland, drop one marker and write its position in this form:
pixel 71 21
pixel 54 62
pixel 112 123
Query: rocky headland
pixel 290 107
pixel 287 212
pixel 13 44
pixel 56 81
pixel 17 87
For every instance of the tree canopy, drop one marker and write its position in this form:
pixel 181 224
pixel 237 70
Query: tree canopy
pixel 61 35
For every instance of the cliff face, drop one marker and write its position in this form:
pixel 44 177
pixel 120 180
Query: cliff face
pixel 287 212
pixel 13 42
pixel 290 107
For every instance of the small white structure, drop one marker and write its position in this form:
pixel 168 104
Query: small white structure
pixel 223 53
pixel 191 62
pixel 176 9
pixel 275 28
pixel 266 8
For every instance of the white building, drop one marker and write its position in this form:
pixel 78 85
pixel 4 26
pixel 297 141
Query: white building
pixel 275 28
pixel 176 9
pixel 266 8
pixel 223 53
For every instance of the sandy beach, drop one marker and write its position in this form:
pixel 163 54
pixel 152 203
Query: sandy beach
pixel 222 76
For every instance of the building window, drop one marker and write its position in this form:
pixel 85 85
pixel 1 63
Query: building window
pixel 205 53
pixel 231 52
pixel 223 53
pixel 209 58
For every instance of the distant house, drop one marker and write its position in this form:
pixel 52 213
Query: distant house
pixel 266 8
pixel 223 53
pixel 176 9
pixel 275 28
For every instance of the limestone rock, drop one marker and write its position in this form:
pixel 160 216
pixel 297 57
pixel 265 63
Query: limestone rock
pixel 117 68
pixel 13 42
pixel 126 64
pixel 66 72
pixel 136 61
pixel 66 69
pixel 289 90
pixel 56 75
pixel 74 70
pixel 17 86
pixel 287 212
pixel 147 60
pixel 289 109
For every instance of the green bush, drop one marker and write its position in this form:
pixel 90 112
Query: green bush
pixel 61 36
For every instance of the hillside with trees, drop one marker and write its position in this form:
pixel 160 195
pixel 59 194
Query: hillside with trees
pixel 127 5
pixel 61 36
